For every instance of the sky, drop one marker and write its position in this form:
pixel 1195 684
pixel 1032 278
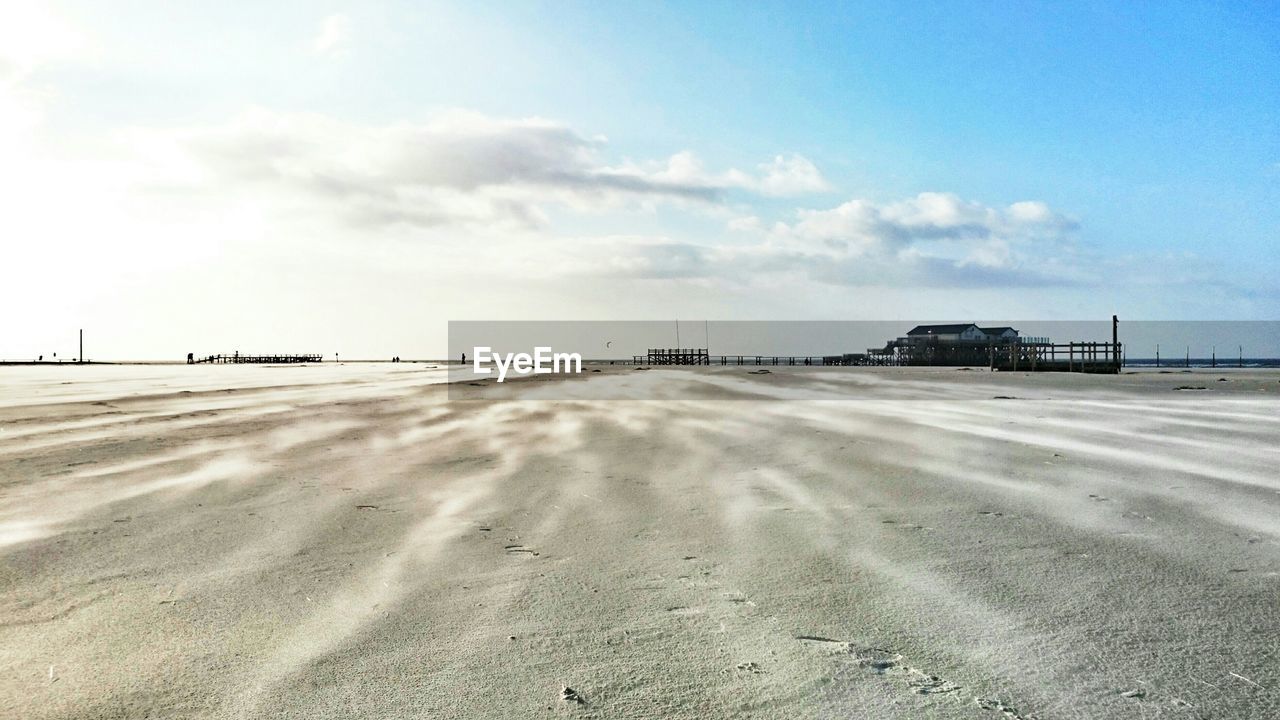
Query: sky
pixel 325 177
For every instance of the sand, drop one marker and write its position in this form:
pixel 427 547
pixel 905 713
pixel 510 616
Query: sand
pixel 350 542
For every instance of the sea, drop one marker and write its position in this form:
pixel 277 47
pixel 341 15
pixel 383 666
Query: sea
pixel 1219 363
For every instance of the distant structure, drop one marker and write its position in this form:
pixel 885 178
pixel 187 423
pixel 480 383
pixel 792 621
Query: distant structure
pixel 1000 348
pixel 677 356
pixel 956 344
pixel 964 344
pixel 239 359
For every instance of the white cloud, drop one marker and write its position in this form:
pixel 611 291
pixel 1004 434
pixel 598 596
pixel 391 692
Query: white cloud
pixel 784 176
pixel 791 175
pixel 933 239
pixel 498 179
pixel 334 35
pixel 458 168
pixel 861 226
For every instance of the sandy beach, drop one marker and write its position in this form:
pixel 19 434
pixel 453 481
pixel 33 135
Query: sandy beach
pixel 355 541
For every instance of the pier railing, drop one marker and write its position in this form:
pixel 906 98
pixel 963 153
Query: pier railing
pixel 1090 357
pixel 238 359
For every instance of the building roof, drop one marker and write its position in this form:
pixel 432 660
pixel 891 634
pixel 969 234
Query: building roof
pixel 996 330
pixel 940 329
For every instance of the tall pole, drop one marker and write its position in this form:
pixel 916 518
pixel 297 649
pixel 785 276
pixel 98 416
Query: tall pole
pixel 1157 354
pixel 81 345
pixel 1115 339
pixel 677 334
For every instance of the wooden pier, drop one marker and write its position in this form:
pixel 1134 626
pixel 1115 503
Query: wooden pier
pixel 1040 356
pixel 946 345
pixel 676 356
pixel 699 356
pixel 1085 357
pixel 238 359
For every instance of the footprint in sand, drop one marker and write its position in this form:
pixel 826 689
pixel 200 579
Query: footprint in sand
pixel 997 706
pixel 1134 694
pixel 887 663
pixel 684 610
pixel 906 526
pixel 890 664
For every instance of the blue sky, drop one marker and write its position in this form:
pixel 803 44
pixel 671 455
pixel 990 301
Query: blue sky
pixel 602 160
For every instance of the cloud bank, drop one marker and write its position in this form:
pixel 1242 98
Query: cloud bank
pixel 936 239
pixel 499 178
pixel 457 169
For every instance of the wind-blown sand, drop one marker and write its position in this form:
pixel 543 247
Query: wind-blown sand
pixel 346 541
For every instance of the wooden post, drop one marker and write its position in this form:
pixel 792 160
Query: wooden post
pixel 1115 341
pixel 81 345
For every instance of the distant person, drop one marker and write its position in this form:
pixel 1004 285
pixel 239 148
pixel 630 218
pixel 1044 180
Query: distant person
pixel 191 358
pixel 464 358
